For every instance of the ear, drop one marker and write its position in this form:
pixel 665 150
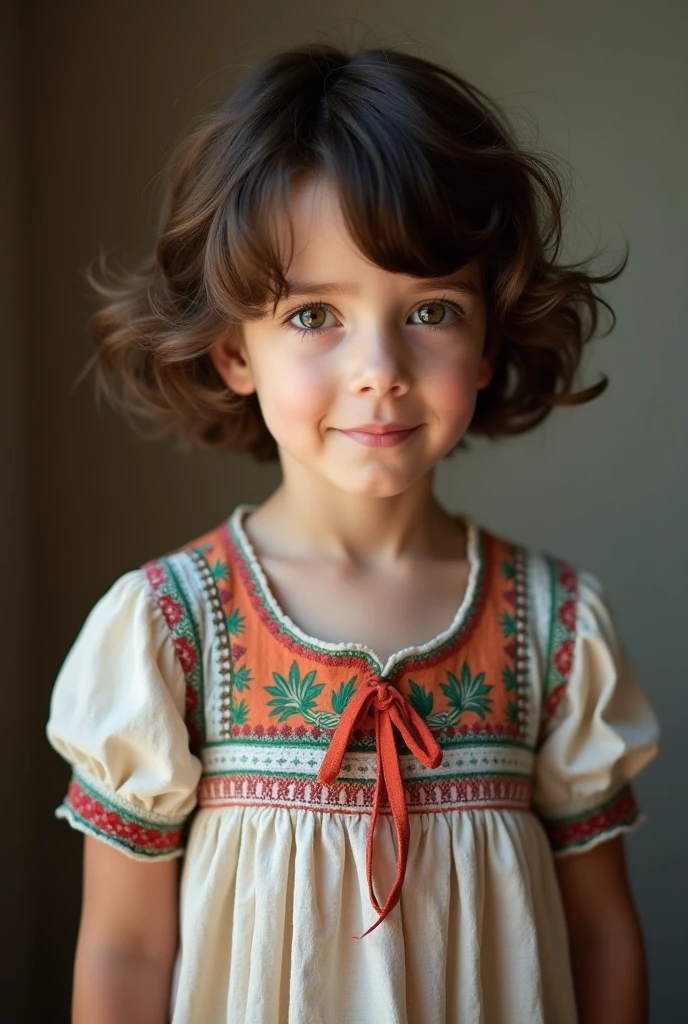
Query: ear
pixel 487 365
pixel 484 373
pixel 230 359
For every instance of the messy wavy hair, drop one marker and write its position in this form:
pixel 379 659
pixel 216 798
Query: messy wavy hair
pixel 429 176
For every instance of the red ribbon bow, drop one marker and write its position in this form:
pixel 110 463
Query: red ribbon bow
pixel 391 708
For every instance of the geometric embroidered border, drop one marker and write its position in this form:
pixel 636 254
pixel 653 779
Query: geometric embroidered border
pixel 562 638
pixel 85 806
pixel 467 793
pixel 172 601
pixel 619 811
pixel 294 760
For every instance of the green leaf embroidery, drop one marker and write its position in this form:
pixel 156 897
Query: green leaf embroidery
pixel 509 570
pixel 323 719
pixel 512 712
pixel 235 623
pixel 341 697
pixel 219 570
pixel 442 719
pixel 468 694
pixel 509 677
pixel 421 699
pixel 508 624
pixel 294 696
pixel 241 677
pixel 239 712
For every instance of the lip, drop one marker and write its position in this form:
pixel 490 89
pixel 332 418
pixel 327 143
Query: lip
pixel 380 438
pixel 379 428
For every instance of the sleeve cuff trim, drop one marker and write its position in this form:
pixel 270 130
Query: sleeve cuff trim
pixel 602 837
pixel 620 811
pixel 84 807
pixel 65 812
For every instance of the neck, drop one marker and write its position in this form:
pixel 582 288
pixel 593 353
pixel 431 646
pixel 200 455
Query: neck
pixel 362 531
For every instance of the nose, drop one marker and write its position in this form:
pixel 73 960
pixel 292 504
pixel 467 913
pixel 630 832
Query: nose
pixel 380 363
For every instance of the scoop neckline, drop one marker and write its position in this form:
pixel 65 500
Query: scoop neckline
pixel 269 603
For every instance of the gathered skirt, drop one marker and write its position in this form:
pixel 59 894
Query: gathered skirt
pixel 271 900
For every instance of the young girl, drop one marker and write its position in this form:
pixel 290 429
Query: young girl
pixel 393 747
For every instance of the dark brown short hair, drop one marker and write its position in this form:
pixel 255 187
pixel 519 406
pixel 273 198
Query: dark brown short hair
pixel 429 175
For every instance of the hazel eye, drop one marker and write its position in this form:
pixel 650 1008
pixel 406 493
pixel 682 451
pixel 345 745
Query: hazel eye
pixel 433 313
pixel 311 318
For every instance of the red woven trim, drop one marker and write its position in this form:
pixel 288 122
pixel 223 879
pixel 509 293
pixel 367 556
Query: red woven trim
pixel 563 627
pixel 552 702
pixel 170 599
pixel 125 828
pixel 495 791
pixel 620 810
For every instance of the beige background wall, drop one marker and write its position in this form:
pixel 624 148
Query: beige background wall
pixel 94 95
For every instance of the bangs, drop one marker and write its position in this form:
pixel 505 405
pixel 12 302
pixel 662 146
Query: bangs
pixel 415 193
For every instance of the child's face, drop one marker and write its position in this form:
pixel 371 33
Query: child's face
pixel 370 354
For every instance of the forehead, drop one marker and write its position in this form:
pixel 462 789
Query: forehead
pixel 317 222
pixel 326 257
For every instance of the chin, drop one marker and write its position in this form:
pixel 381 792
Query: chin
pixel 376 485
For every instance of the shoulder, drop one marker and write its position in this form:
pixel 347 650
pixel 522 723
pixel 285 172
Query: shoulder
pixel 185 587
pixel 564 603
pixel 579 646
pixel 556 586
pixel 552 581
pixel 169 596
pixel 184 581
pixel 175 573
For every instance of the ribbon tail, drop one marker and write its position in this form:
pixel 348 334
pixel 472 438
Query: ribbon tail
pixel 423 744
pixel 390 780
pixel 380 794
pixel 332 761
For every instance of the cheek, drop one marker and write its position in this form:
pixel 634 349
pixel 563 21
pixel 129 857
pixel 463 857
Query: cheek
pixel 453 392
pixel 296 394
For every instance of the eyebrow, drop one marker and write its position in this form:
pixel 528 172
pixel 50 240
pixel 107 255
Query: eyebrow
pixel 456 283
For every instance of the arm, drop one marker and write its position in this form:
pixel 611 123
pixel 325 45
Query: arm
pixel 127 938
pixel 607 953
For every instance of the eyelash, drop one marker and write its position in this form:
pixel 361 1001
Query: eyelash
pixel 323 305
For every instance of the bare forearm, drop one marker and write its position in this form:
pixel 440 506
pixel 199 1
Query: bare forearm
pixel 611 978
pixel 115 987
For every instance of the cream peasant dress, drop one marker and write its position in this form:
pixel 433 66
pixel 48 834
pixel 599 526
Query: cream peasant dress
pixel 200 721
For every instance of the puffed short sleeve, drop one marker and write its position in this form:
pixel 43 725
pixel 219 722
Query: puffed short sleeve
pixel 598 729
pixel 117 716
